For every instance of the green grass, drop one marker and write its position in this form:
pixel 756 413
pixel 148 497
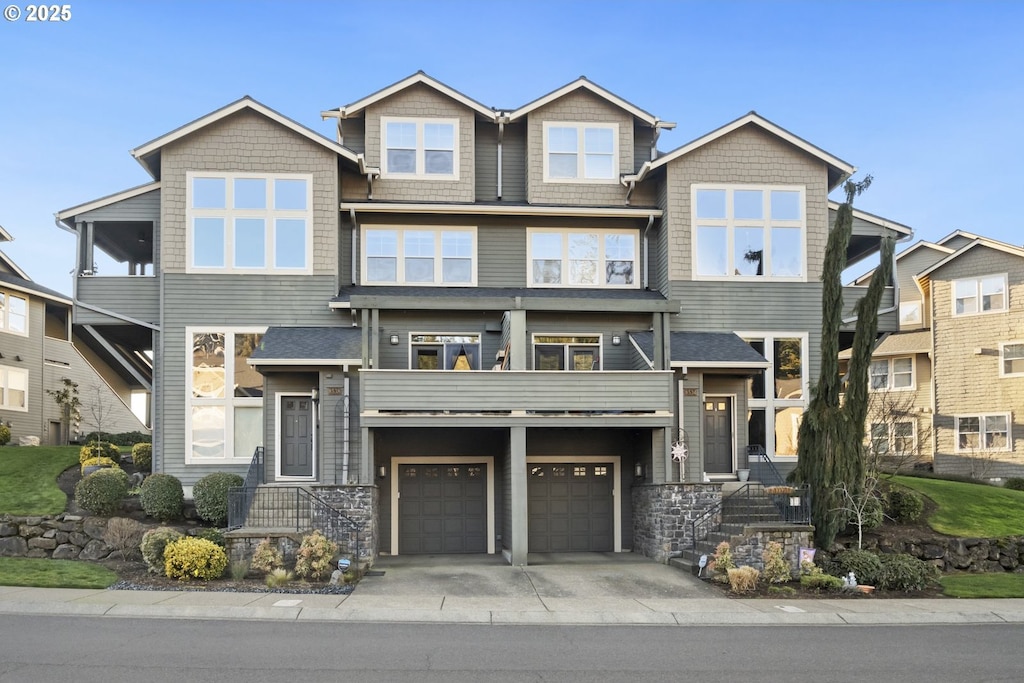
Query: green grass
pixel 44 573
pixel 28 479
pixel 971 510
pixel 1004 585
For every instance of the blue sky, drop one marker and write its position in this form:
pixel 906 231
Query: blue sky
pixel 925 96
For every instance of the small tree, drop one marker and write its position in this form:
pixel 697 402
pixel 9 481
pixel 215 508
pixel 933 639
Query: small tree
pixel 862 506
pixel 99 411
pixel 70 407
pixel 895 437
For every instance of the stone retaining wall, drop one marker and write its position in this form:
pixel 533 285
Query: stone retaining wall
pixel 662 514
pixel 63 537
pixel 748 549
pixel 957 554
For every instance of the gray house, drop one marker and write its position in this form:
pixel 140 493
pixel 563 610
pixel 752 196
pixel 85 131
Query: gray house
pixel 483 330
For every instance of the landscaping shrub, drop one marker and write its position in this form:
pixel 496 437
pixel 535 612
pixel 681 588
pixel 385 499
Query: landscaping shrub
pixel 743 579
pixel 722 562
pixel 211 496
pixel 102 492
pixel 266 557
pixel 99 450
pixel 215 536
pixel 864 564
pixel 5 435
pixel 162 497
pixel 142 456
pixel 1015 483
pixel 194 558
pixel 121 439
pixel 278 578
pixel 874 513
pixel 124 535
pixel 904 506
pixel 776 569
pixel 153 543
pixel 902 572
pixel 238 570
pixel 102 462
pixel 313 558
pixel 816 579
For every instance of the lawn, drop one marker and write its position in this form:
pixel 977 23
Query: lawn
pixel 971 510
pixel 1005 585
pixel 28 479
pixel 44 573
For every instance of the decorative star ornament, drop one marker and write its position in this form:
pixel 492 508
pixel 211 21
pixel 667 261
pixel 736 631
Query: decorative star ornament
pixel 679 451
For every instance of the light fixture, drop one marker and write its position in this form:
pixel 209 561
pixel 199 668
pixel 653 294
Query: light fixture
pixel 394 340
pixel 315 395
pixel 616 340
pixel 638 470
pixel 382 471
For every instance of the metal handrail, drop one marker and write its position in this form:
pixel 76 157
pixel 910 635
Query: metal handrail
pixel 792 507
pixel 238 509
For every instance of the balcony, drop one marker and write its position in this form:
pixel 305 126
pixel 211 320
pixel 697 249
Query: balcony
pixel 416 398
pixel 889 322
pixel 132 296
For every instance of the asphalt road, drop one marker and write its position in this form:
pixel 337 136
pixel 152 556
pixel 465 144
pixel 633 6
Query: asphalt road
pixel 106 650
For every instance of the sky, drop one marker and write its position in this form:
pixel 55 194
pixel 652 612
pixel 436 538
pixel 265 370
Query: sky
pixel 927 97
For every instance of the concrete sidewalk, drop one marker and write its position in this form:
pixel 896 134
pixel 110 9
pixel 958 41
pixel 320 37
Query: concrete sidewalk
pixel 564 589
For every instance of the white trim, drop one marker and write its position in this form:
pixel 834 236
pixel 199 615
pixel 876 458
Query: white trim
pixel 582 82
pixel 769 403
pixel 914 247
pixel 34 292
pixel 978 294
pixel 4 235
pixel 648 361
pixel 875 220
pixel 891 436
pixel 731 224
pixel 499 210
pixel 108 200
pixel 438 257
pixel 615 460
pixel 581 128
pixel 5 372
pixel 5 312
pixel 14 266
pixel 1002 358
pixel 419 77
pixel 980 242
pixel 420 150
pixel 701 364
pixel 917 320
pixel 441 461
pixel 259 362
pixel 982 417
pixel 602 259
pixel 890 382
pixel 278 397
pixel 732 436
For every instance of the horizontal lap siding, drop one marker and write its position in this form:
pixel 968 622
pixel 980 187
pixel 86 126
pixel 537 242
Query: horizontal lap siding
pixel 142 208
pixel 513 163
pixel 612 357
pixel 134 297
pixel 29 348
pixel 404 323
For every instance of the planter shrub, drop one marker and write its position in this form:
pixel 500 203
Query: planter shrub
pixel 162 497
pixel 153 544
pixel 864 564
pixel 902 572
pixel 5 435
pixel 211 496
pixel 102 492
pixel 194 558
pixel 904 506
pixel 99 450
pixel 98 462
pixel 313 558
pixel 126 439
pixel 266 557
pixel 142 456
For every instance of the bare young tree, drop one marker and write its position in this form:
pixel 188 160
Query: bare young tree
pixel 99 411
pixel 862 507
pixel 70 406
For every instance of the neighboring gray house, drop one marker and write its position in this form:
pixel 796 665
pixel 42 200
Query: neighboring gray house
pixel 484 329
pixel 38 350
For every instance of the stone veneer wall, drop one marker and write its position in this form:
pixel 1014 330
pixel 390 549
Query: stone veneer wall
pixel 662 514
pixel 748 549
pixel 358 503
pixel 61 537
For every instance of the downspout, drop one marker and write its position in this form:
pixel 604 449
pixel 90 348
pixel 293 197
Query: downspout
pixel 647 252
pixel 501 139
pixel 345 448
pixel 355 229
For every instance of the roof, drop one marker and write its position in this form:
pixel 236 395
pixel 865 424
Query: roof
pixel 309 346
pixel 246 103
pixel 979 242
pixel 25 285
pixel 899 344
pixel 583 83
pixel 916 245
pixel 875 219
pixel 108 200
pixel 5 236
pixel 503 298
pixel 418 78
pixel 841 169
pixel 703 350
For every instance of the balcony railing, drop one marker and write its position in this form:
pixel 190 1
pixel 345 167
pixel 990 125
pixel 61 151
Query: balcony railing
pixel 133 296
pixel 854 293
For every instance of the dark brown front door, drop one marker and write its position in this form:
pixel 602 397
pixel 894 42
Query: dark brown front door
pixel 296 436
pixel 718 435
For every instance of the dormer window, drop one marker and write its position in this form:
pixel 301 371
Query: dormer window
pixel 420 148
pixel 581 152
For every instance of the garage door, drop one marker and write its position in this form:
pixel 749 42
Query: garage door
pixel 442 508
pixel 570 507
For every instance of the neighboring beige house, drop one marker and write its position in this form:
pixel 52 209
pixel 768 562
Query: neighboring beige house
pixel 38 350
pixel 952 377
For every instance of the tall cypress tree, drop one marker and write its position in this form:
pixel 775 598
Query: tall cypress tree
pixel 831 439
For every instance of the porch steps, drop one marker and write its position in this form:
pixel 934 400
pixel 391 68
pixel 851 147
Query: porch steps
pixel 277 511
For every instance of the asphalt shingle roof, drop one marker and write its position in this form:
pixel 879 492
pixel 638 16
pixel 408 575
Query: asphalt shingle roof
pixel 694 348
pixel 900 344
pixel 10 279
pixel 310 343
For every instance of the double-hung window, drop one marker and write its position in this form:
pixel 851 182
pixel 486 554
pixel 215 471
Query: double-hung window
pixel 581 152
pixel 13 313
pixel 13 388
pixel 419 256
pixel 566 352
pixel 582 258
pixel 1011 359
pixel 983 432
pixel 444 351
pixel 980 295
pixel 892 374
pixel 250 223
pixel 749 232
pixel 420 148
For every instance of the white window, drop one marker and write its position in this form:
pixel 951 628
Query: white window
pixel 898 438
pixel 13 389
pixel 582 258
pixel 566 352
pixel 13 313
pixel 1011 359
pixel 892 374
pixel 910 313
pixel 419 256
pixel 420 148
pixel 246 223
pixel 980 295
pixel 983 432
pixel 225 395
pixel 746 231
pixel 444 351
pixel 581 152
pixel 777 397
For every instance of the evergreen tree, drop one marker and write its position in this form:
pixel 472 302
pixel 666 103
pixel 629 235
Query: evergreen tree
pixel 831 439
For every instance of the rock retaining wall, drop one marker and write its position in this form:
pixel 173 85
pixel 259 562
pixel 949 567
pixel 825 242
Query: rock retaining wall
pixel 748 549
pixel 662 514
pixel 957 554
pixel 63 537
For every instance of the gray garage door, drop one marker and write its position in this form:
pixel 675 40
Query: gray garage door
pixel 442 509
pixel 570 507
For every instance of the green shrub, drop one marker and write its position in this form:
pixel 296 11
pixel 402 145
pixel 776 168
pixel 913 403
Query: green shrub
pixel 1015 483
pixel 776 569
pixel 313 558
pixel 266 557
pixel 153 543
pixel 142 456
pixel 874 513
pixel 99 450
pixel 162 497
pixel 194 558
pixel 904 506
pixel 211 496
pixel 5 435
pixel 215 536
pixel 865 565
pixel 126 439
pixel 819 580
pixel 102 491
pixel 902 572
pixel 102 462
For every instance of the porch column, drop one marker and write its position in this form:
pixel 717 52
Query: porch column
pixel 364 320
pixel 517 339
pixel 375 337
pixel 520 538
pixel 662 342
pixel 366 457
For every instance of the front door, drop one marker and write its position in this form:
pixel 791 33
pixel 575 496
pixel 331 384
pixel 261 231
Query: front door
pixel 296 448
pixel 718 435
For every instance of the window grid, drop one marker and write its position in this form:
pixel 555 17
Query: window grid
pixel 581 152
pixel 442 256
pixel 13 389
pixel 892 374
pixel 425 149
pixel 777 397
pixel 990 432
pixel 973 296
pixel 582 258
pixel 1011 359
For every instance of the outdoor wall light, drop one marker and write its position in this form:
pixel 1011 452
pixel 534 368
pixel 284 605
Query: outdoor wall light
pixel 616 340
pixel 394 340
pixel 382 471
pixel 315 395
pixel 638 470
